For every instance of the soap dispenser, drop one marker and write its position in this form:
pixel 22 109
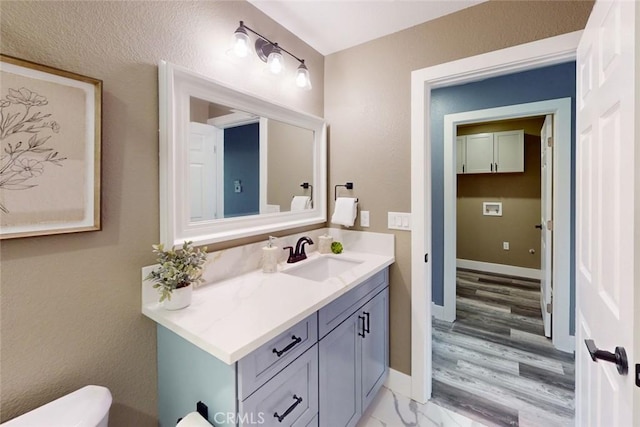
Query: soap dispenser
pixel 270 255
pixel 325 244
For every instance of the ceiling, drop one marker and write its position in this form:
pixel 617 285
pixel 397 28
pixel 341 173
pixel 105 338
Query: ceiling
pixel 333 25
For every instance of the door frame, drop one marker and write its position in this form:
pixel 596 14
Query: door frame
pixel 545 52
pixel 561 184
pixel 232 120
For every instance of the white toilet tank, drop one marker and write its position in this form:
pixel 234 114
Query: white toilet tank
pixel 86 407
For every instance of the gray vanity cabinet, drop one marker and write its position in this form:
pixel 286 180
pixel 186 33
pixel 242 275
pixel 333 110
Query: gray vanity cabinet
pixel 375 346
pixel 323 371
pixel 340 355
pixel 354 363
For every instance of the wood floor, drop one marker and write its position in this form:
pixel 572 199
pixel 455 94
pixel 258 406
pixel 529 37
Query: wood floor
pixel 493 364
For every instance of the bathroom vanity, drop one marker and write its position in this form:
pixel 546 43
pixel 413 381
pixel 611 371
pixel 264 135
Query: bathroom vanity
pixel 289 348
pixel 306 345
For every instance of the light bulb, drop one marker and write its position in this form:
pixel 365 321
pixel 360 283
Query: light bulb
pixel 241 42
pixel 303 80
pixel 275 60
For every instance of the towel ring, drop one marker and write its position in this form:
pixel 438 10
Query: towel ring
pixel 348 186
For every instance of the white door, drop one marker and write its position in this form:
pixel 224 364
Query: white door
pixel 546 233
pixel 202 172
pixel 606 233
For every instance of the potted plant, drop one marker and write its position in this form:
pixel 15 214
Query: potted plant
pixel 178 270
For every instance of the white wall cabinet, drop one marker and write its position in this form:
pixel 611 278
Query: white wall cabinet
pixel 492 152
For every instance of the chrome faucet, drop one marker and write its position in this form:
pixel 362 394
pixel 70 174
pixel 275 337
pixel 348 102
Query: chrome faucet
pixel 299 253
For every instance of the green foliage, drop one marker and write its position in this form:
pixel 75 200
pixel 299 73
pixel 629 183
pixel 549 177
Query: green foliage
pixel 177 269
pixel 336 247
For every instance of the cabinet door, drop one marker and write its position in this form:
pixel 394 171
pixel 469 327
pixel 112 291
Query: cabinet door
pixel 508 151
pixel 375 346
pixel 461 154
pixel 340 353
pixel 479 153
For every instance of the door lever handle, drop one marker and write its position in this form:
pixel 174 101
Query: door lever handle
pixel 619 357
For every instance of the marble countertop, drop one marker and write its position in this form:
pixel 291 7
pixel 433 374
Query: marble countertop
pixel 232 317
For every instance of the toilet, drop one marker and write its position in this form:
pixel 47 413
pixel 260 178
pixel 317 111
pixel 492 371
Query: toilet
pixel 86 407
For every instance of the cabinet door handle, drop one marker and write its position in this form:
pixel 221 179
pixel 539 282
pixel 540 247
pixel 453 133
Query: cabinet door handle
pixel 366 328
pixel 295 341
pixel 491 165
pixel 363 327
pixel 297 399
pixel 496 167
pixel 462 168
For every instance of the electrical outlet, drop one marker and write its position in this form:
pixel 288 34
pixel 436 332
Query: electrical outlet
pixel 505 246
pixel 364 218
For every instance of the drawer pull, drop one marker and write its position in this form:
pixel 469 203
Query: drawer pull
pixel 295 341
pixel 298 400
pixel 364 329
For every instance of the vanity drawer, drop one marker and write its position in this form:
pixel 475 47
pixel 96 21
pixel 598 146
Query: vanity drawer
pixel 265 362
pixel 336 312
pixel 290 398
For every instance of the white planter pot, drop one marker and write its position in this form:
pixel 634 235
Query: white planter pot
pixel 180 298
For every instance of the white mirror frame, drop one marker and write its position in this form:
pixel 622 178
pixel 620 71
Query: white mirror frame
pixel 176 86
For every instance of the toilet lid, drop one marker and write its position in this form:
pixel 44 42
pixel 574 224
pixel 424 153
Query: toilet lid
pixel 85 407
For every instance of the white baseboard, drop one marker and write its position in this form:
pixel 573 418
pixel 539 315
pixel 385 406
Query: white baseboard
pixel 437 311
pixel 399 383
pixel 511 270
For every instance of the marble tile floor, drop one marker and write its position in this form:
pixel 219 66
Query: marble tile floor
pixel 391 409
pixel 493 364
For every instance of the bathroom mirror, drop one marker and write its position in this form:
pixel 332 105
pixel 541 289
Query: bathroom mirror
pixel 232 164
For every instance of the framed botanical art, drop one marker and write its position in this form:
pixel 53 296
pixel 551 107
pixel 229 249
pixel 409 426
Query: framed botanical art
pixel 50 136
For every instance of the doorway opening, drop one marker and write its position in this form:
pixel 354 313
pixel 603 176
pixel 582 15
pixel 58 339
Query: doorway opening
pixel 560 189
pixel 554 50
pixel 494 363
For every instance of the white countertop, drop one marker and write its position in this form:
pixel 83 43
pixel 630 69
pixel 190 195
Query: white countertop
pixel 231 318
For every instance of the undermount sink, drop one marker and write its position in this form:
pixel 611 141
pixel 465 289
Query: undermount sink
pixel 323 268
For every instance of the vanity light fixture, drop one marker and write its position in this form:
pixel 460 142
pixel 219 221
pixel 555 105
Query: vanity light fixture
pixel 269 52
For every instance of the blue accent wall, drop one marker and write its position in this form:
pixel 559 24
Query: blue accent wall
pixel 242 162
pixel 558 81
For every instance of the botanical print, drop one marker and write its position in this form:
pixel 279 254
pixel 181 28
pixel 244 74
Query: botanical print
pixel 42 151
pixel 21 163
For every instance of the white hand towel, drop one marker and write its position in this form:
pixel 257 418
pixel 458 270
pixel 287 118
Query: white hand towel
pixel 300 203
pixel 193 419
pixel 345 211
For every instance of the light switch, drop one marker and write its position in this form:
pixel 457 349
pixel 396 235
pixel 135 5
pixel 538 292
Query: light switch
pixel 399 221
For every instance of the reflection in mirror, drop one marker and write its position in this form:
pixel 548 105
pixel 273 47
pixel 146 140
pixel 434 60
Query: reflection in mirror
pixel 242 164
pixel 232 164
